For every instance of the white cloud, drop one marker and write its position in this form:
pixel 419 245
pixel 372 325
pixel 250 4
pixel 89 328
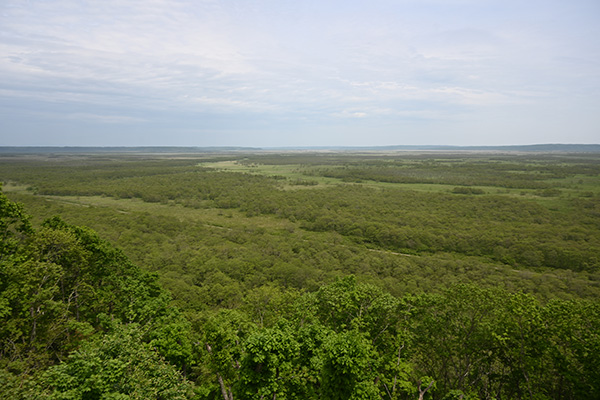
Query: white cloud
pixel 273 61
pixel 104 119
pixel 350 114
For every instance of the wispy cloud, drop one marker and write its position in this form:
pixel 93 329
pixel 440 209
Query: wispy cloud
pixel 104 119
pixel 313 64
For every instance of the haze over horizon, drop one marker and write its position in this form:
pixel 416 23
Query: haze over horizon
pixel 283 74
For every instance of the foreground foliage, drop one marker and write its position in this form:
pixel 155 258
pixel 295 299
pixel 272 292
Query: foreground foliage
pixel 63 290
pixel 80 321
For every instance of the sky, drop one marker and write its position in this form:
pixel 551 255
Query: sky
pixel 277 73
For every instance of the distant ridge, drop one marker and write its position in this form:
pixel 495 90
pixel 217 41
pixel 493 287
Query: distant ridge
pixel 554 147
pixel 542 148
pixel 117 149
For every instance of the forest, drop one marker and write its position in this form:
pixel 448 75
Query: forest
pixel 300 275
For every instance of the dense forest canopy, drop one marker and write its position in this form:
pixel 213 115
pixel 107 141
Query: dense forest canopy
pixel 300 275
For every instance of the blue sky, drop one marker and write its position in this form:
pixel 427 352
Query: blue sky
pixel 299 73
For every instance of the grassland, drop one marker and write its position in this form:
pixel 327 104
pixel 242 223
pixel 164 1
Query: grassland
pixel 573 185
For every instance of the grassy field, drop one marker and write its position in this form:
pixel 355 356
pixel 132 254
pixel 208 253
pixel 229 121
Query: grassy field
pixel 576 185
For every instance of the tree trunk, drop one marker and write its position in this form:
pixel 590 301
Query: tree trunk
pixel 227 395
pixel 422 392
pixel 225 391
pixel 33 326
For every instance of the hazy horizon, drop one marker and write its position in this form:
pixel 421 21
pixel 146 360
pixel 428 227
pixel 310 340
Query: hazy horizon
pixel 299 74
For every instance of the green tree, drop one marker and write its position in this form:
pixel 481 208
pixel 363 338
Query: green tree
pixel 379 318
pixel 119 365
pixel 572 332
pixel 62 284
pixel 269 368
pixel 349 367
pixel 453 338
pixel 224 334
pixel 14 225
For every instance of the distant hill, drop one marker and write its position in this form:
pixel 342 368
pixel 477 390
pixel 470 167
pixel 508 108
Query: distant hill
pixel 116 149
pixel 544 148
pixel 569 148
